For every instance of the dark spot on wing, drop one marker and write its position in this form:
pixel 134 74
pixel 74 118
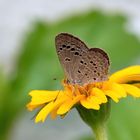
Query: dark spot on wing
pixel 67 59
pixel 76 53
pixel 72 49
pixel 68 47
pixel 79 71
pixel 81 62
pixel 63 46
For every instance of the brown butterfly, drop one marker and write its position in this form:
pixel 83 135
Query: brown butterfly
pixel 82 65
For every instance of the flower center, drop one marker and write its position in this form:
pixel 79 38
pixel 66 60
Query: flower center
pixel 86 90
pixel 75 89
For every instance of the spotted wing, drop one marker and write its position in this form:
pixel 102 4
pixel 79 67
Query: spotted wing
pixel 94 66
pixel 70 50
pixel 81 64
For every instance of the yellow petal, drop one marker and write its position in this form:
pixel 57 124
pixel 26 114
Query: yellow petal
pixel 112 95
pixel 126 75
pixel 119 90
pixel 44 112
pixel 137 85
pixel 132 90
pixel 94 99
pixel 67 105
pixel 53 114
pixel 32 107
pixel 99 94
pixel 42 115
pixel 89 105
pixel 43 96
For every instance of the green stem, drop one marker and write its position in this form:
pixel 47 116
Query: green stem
pixel 100 132
pixel 96 119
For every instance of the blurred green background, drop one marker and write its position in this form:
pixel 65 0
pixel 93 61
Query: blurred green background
pixel 37 64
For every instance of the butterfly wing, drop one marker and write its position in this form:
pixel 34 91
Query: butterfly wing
pixel 96 63
pixel 70 50
pixel 81 64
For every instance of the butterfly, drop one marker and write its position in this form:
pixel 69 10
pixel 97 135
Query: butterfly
pixel 82 65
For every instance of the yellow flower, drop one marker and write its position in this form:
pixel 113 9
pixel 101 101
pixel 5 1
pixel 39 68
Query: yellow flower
pixel 91 96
